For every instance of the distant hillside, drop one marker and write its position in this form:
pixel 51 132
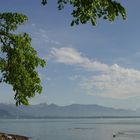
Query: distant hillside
pixel 52 110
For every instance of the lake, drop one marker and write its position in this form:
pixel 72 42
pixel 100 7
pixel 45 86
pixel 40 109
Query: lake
pixel 74 129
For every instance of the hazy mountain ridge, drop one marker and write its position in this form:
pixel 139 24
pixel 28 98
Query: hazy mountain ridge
pixel 75 110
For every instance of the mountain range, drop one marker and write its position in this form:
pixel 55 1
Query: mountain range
pixel 70 111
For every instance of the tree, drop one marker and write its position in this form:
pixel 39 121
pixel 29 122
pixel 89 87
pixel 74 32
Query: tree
pixel 19 60
pixel 90 10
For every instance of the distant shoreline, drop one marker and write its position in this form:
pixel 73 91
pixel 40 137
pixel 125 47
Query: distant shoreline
pixel 73 111
pixel 73 117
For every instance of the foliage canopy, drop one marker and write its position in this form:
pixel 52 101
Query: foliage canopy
pixel 90 10
pixel 18 60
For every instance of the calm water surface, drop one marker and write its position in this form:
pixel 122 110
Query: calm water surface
pixel 74 129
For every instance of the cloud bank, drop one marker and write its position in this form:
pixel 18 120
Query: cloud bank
pixel 109 81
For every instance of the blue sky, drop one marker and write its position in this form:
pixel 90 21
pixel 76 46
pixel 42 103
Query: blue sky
pixel 85 64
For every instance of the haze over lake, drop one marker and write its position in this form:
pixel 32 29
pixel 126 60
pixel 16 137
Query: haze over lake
pixel 10 111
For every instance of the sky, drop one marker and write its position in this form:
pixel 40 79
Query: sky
pixel 85 64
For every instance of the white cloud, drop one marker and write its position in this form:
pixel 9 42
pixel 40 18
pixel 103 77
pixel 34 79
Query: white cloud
pixel 75 77
pixel 110 81
pixel 41 35
pixel 72 57
pixel 118 83
pixel 66 56
pixel 33 25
